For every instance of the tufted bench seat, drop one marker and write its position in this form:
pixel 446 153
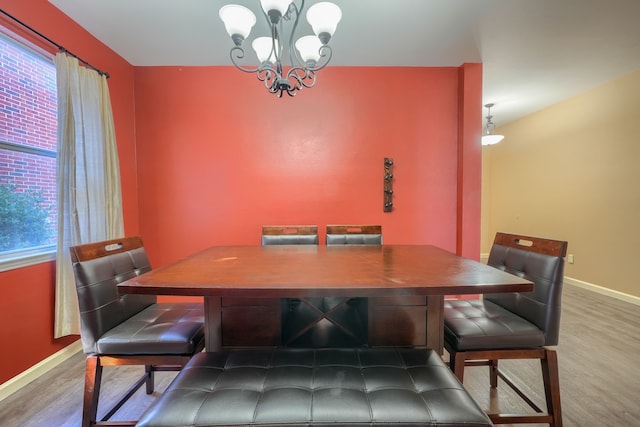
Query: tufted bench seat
pixel 318 387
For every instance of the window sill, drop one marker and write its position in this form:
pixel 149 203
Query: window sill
pixel 24 258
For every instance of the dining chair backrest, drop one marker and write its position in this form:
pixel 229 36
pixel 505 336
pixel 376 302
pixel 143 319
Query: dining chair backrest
pixel 289 235
pixel 354 234
pixel 540 261
pixel 99 268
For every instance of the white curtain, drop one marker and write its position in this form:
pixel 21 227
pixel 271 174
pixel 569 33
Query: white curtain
pixel 89 196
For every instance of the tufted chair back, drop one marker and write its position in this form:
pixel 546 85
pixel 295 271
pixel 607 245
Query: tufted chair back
pixel 354 234
pixel 540 261
pixel 98 270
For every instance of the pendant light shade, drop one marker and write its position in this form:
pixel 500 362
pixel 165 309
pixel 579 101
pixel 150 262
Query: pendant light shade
pixel 309 48
pixel 323 18
pixel 238 20
pixel 280 5
pixel 489 138
pixel 264 47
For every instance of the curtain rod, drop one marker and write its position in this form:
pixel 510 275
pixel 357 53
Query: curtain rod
pixel 61 48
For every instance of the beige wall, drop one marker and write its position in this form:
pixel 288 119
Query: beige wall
pixel 572 172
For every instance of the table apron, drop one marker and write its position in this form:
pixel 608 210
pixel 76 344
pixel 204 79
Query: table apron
pixel 434 323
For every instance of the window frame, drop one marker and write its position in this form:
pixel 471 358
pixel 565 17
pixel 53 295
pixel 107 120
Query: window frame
pixel 19 258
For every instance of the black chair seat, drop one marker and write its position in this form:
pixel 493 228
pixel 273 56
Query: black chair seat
pixel 165 328
pixel 302 387
pixel 483 325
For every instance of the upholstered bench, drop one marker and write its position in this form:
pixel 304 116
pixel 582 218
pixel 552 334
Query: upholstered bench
pixel 318 387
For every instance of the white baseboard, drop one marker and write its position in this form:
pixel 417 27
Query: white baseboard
pixel 40 368
pixel 589 286
pixel 602 290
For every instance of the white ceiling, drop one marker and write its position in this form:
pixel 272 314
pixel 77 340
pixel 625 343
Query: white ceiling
pixel 535 52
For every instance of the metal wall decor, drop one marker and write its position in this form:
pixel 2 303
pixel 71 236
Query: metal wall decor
pixel 388 184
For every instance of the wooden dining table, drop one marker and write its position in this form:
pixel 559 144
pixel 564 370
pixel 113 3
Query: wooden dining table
pixel 309 271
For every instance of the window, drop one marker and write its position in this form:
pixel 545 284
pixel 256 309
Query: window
pixel 28 121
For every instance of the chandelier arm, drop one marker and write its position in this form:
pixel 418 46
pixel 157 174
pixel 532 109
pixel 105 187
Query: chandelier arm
pixel 268 76
pixel 294 56
pixel 276 46
pixel 325 57
pixel 239 54
pixel 304 77
pixel 296 80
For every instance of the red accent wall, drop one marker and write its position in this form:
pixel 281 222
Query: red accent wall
pixel 469 161
pixel 27 303
pixel 219 156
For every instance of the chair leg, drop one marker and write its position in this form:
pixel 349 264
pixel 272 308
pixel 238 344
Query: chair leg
pixel 552 386
pixel 458 360
pixel 149 372
pixel 92 378
pixel 493 373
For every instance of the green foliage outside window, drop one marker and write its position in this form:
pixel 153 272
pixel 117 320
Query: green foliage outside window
pixel 24 220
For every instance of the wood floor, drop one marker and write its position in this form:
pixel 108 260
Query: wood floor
pixel 599 379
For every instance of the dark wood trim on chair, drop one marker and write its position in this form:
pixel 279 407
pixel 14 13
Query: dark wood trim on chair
pixel 534 244
pixel 93 380
pixel 354 229
pixel 549 366
pixel 294 230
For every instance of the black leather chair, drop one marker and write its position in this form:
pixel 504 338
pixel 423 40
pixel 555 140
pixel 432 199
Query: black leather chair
pixel 513 325
pixel 127 329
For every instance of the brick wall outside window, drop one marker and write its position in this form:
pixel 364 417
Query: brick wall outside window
pixel 28 117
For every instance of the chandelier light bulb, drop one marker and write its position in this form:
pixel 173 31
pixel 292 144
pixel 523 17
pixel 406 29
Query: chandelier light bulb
pixel 271 6
pixel 238 21
pixel 309 48
pixel 324 18
pixel 264 47
pixel 491 139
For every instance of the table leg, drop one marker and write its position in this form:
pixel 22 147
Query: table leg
pixel 435 322
pixel 212 323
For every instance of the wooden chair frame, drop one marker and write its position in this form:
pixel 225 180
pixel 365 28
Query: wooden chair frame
pixel 354 229
pixel 293 230
pixel 547 356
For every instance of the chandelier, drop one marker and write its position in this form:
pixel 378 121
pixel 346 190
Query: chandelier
pixel 489 138
pixel 306 56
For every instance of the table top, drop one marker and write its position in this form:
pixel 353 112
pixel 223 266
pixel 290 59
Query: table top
pixel 309 270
